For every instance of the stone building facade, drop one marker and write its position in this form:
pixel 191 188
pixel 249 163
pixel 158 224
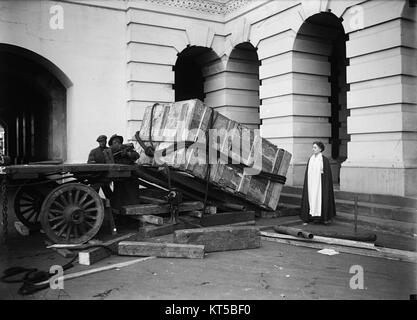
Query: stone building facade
pixel 340 71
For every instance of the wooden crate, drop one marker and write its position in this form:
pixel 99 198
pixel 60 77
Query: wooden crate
pixel 243 147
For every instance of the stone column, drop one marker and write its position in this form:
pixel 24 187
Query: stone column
pixel 382 153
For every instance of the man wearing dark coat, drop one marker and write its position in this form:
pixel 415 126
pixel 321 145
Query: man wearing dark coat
pixel 101 154
pixel 122 153
pixel 126 191
pixel 317 203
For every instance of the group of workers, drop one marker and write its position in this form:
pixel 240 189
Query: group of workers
pixel 124 192
pixel 117 152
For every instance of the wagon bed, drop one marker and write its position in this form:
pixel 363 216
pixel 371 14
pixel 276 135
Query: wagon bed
pixel 63 199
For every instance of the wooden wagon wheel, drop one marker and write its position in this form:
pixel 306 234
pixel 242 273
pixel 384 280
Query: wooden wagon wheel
pixel 72 213
pixel 28 202
pixel 27 206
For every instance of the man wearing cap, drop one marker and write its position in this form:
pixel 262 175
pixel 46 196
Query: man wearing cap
pixel 122 153
pixel 102 153
pixel 126 191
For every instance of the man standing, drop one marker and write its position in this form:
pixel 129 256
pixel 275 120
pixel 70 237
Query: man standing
pixel 101 154
pixel 126 191
pixel 122 153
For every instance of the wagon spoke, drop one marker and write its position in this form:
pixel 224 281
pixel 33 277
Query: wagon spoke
pixel 91 225
pixel 76 196
pixel 64 201
pixel 76 231
pixel 61 231
pixel 28 204
pixel 58 225
pixel 31 215
pixel 68 233
pixel 56 219
pixel 90 217
pixel 89 203
pixel 69 196
pixel 83 198
pixel 27 197
pixel 27 210
pixel 59 205
pixel 82 228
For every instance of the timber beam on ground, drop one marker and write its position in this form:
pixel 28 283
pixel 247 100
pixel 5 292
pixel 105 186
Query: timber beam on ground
pixel 162 250
pixel 221 238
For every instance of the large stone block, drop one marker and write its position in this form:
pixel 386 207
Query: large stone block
pixel 382 122
pixel 146 72
pixel 381 37
pixel 151 53
pixel 150 91
pixel 297 105
pixel 157 35
pixel 296 127
pixel 368 179
pixel 396 92
pixel 374 13
pixel 277 44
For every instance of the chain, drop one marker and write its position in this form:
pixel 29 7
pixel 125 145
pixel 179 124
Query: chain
pixel 3 195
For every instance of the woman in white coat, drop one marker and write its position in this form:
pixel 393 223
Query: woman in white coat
pixel 317 203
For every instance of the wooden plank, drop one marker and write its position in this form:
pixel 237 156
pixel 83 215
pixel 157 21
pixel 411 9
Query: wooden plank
pixel 100 269
pixel 227 218
pixel 221 238
pixel 164 250
pixel 152 200
pixel 318 239
pixel 197 214
pixel 146 209
pixel 407 256
pixel 159 221
pixel 93 255
pixel 76 167
pixel 246 223
pixel 156 231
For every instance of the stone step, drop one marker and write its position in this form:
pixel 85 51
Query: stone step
pixel 371 214
pixel 364 209
pixel 386 225
pixel 405 202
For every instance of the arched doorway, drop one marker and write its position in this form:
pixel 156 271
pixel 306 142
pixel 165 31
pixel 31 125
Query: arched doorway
pixel 32 107
pixel 321 43
pixel 191 73
pixel 243 81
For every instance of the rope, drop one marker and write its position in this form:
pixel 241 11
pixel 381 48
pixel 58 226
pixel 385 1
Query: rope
pixel 208 172
pixel 149 150
pixel 33 276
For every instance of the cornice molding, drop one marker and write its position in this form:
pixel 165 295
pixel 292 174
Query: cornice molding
pixel 204 6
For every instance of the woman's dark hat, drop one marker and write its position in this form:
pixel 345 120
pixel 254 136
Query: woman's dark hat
pixel 115 136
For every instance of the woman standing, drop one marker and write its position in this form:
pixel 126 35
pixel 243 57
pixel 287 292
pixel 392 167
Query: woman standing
pixel 317 203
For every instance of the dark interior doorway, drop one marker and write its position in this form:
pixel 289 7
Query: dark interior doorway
pixel 325 28
pixel 189 80
pixel 32 109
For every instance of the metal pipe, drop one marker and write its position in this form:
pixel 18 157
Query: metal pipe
pixel 294 232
